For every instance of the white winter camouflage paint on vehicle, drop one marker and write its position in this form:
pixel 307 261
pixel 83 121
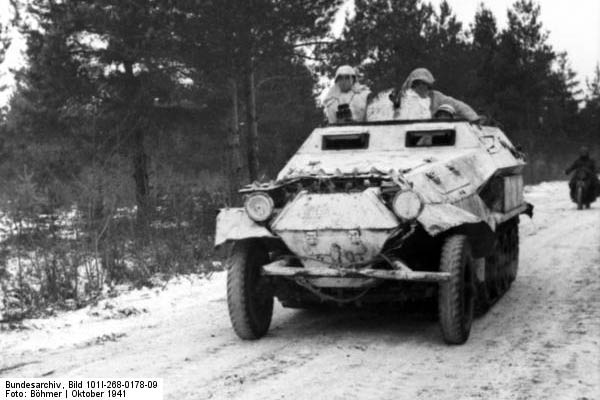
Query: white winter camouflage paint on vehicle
pixel 332 222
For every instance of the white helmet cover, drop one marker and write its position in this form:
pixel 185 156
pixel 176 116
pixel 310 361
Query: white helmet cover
pixel 345 70
pixel 447 108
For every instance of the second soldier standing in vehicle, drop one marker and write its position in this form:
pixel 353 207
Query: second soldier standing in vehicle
pixel 416 99
pixel 346 101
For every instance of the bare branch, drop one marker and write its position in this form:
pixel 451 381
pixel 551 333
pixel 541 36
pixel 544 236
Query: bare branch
pixel 316 42
pixel 307 57
pixel 270 79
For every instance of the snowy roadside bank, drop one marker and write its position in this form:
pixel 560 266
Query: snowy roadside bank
pixel 111 318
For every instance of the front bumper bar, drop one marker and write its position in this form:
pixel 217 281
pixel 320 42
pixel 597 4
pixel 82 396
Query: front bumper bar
pixel 401 272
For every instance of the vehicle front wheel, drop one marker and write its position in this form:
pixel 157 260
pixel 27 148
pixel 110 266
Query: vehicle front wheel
pixel 457 295
pixel 249 295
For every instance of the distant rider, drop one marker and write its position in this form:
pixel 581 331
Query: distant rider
pixel 346 101
pixel 416 99
pixel 588 165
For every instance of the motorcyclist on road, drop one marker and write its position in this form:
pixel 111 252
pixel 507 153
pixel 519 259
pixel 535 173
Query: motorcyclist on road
pixel 416 99
pixel 587 164
pixel 347 100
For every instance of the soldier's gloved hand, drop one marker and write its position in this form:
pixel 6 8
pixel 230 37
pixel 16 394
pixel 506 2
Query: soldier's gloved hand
pixel 395 97
pixel 479 121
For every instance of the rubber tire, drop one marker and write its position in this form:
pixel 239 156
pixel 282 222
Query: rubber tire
pixel 456 298
pixel 249 298
pixel 579 197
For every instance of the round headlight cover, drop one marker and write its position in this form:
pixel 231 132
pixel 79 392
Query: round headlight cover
pixel 407 205
pixel 259 206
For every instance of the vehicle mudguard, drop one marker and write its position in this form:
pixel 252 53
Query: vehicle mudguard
pixel 469 216
pixel 234 224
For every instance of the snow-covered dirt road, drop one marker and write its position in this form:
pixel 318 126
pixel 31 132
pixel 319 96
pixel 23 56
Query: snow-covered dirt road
pixel 540 341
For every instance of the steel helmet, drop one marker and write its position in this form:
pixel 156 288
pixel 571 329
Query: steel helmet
pixel 345 70
pixel 422 74
pixel 445 108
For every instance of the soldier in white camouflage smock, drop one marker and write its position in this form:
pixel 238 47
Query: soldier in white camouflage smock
pixel 346 101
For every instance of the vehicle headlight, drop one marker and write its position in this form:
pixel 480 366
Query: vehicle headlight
pixel 407 205
pixel 259 206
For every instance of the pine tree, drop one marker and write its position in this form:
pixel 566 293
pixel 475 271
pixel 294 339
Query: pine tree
pixel 388 39
pixel 448 52
pixel 484 34
pixel 523 64
pixel 137 68
pixel 234 42
pixel 111 58
pixel 561 107
pixel 385 39
pixel 5 41
pixel 5 27
pixel 590 114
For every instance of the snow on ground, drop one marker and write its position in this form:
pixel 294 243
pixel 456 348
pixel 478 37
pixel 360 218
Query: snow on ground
pixel 112 317
pixel 540 341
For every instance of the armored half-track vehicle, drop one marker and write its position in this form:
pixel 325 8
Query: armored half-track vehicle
pixel 383 211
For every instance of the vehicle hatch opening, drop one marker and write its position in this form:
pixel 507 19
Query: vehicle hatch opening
pixel 352 141
pixel 438 137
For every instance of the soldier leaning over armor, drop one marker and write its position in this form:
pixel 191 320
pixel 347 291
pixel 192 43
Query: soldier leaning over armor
pixel 347 100
pixel 417 100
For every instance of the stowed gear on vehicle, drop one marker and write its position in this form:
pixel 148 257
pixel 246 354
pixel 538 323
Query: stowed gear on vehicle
pixel 380 212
